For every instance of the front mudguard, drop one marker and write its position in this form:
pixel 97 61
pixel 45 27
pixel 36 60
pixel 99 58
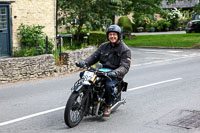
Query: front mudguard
pixel 79 87
pixel 83 88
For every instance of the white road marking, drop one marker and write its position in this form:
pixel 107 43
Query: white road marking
pixel 153 62
pixel 31 116
pixel 160 51
pixel 174 51
pixel 153 84
pixel 167 60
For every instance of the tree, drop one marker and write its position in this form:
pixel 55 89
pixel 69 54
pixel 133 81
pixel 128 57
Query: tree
pixel 197 9
pixel 91 14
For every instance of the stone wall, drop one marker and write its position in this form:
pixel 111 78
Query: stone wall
pixel 69 59
pixel 26 68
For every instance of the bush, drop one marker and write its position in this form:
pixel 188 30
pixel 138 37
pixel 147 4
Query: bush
pixel 30 35
pixel 163 25
pixel 33 41
pixel 125 23
pixel 173 17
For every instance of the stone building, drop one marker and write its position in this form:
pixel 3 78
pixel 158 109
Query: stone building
pixel 29 12
pixel 184 4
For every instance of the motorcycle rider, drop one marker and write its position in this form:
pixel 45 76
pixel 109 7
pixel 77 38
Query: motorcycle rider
pixel 114 55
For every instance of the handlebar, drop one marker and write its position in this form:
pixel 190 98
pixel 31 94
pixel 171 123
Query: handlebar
pixel 96 70
pixel 105 74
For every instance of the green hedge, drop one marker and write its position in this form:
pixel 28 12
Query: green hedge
pixel 97 38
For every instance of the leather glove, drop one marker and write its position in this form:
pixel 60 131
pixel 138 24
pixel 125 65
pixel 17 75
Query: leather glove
pixel 82 64
pixel 112 74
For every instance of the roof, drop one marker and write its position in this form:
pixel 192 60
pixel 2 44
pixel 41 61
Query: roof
pixel 180 4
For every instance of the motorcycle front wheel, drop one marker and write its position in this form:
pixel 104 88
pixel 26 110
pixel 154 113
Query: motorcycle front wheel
pixel 75 109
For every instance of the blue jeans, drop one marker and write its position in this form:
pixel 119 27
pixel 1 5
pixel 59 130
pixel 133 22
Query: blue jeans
pixel 109 90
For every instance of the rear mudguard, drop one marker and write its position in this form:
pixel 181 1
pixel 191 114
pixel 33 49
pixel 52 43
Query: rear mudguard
pixel 124 86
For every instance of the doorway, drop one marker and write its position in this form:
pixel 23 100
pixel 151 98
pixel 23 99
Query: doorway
pixel 5 36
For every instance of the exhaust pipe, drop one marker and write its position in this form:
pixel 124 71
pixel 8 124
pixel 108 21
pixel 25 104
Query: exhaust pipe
pixel 115 106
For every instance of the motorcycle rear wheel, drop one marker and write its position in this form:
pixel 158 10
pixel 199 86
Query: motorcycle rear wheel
pixel 75 109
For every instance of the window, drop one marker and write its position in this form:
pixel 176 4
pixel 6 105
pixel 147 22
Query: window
pixel 3 19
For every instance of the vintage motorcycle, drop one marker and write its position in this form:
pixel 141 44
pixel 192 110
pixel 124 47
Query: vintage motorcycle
pixel 87 97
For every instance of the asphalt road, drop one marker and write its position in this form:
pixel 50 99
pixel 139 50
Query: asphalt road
pixel 163 88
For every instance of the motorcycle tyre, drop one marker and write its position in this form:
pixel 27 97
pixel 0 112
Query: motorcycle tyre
pixel 68 107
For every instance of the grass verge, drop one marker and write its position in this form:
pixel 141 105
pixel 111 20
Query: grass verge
pixel 170 41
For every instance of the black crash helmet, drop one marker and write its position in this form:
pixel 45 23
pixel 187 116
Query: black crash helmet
pixel 114 28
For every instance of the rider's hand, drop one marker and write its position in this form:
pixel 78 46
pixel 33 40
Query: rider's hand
pixel 112 74
pixel 82 64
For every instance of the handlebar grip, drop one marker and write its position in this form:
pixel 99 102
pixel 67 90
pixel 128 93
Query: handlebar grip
pixel 77 64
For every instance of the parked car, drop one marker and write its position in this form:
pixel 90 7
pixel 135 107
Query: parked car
pixel 193 26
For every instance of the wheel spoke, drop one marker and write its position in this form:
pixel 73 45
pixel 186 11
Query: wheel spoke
pixel 76 109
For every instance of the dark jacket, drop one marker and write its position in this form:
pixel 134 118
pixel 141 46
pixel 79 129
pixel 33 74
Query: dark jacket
pixel 117 57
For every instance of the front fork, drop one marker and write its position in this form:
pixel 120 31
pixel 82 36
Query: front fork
pixel 100 101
